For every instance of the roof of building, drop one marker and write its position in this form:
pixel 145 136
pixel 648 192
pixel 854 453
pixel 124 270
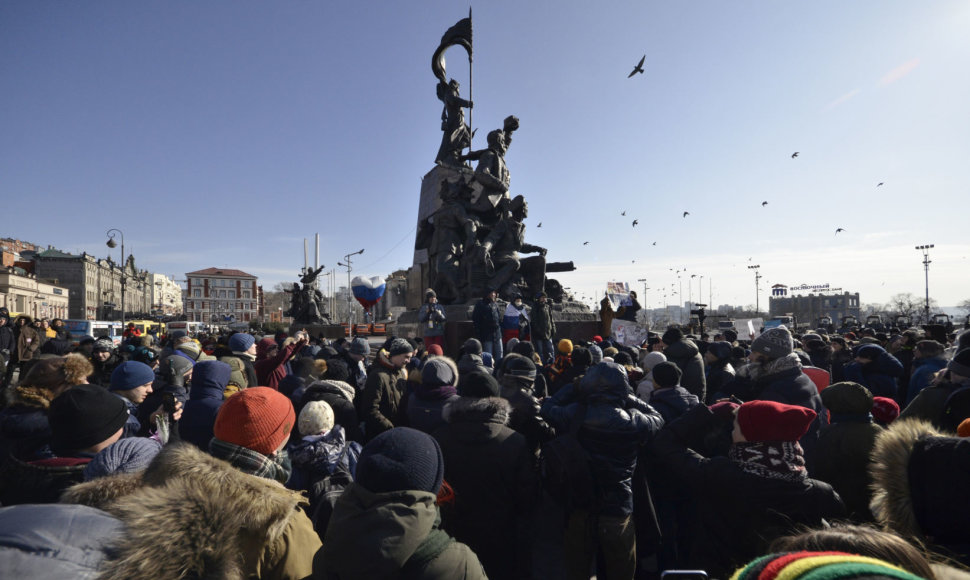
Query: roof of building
pixel 220 272
pixel 55 253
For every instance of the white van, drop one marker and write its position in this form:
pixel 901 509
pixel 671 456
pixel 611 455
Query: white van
pixel 190 328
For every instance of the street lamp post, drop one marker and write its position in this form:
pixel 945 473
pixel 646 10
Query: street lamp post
pixel 111 243
pixel 926 269
pixel 350 294
pixel 757 287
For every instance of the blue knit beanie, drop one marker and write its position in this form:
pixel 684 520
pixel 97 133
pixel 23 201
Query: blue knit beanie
pixel 131 374
pixel 401 459
pixel 124 456
pixel 241 342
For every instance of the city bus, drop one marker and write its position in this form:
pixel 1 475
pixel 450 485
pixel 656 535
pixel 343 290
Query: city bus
pixel 78 329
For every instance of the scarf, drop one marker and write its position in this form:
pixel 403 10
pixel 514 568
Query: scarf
pixel 772 459
pixel 252 462
pixel 756 371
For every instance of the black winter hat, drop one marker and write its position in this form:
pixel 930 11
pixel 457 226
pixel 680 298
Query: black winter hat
pixel 399 346
pixel 337 370
pixel 672 335
pixel 622 358
pixel 581 357
pixel 730 335
pixel 525 348
pixel 847 398
pixel 401 459
pixel 479 385
pixel 473 346
pixel 83 416
pixel 720 349
pixel 517 365
pixel 666 374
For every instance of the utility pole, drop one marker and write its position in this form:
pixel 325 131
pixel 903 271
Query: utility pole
pixel 757 287
pixel 350 295
pixel 926 269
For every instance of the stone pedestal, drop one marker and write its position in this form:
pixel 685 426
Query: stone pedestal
pixel 331 331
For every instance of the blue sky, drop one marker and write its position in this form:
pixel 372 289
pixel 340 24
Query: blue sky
pixel 224 133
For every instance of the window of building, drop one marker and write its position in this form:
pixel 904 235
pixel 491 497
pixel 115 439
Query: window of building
pixel 232 294
pixel 197 293
pixel 245 293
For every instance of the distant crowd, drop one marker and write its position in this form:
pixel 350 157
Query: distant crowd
pixel 521 453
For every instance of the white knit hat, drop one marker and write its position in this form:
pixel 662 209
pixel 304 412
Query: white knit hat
pixel 316 418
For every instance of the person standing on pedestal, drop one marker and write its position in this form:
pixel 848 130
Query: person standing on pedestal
pixel 543 328
pixel 488 324
pixel 431 316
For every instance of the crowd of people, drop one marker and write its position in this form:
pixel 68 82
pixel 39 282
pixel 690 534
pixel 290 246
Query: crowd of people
pixel 524 454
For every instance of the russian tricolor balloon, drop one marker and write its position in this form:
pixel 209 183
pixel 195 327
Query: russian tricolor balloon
pixel 367 291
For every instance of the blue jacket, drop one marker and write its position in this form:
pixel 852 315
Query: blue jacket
pixel 923 371
pixel 672 403
pixel 879 376
pixel 615 426
pixel 209 380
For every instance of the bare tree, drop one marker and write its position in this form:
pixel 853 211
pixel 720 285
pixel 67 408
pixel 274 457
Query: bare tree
pixel 965 306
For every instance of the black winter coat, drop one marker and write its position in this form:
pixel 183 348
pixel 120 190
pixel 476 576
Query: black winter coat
pixel 842 460
pixel 739 512
pixel 493 473
pixel 525 417
pixel 487 319
pixel 615 426
pixel 672 403
pixel 339 395
pixel 687 357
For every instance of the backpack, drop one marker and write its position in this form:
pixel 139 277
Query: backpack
pixel 325 491
pixel 564 467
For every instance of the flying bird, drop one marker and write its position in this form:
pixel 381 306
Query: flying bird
pixel 635 222
pixel 539 225
pixel 794 155
pixel 623 212
pixel 638 68
pixel 764 203
pixel 878 184
pixel 585 243
pixel 655 243
pixel 686 213
pixel 837 230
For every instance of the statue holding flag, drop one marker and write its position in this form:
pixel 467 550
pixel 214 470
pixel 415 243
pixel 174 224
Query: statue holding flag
pixel 457 135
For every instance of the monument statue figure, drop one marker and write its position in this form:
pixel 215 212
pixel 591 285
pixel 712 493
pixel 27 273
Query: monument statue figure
pixel 500 253
pixel 457 134
pixel 306 303
pixel 492 178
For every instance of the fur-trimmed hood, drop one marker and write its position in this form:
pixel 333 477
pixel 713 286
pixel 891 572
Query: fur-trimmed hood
pixel 474 410
pixel 892 500
pixel 192 516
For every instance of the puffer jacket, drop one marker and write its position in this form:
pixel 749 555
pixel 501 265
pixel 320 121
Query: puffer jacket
pixel 218 521
pixel 687 357
pixel 879 376
pixel 672 403
pixel 25 431
pixel 425 406
pixel 375 535
pixel 209 380
pixel 55 541
pixel 842 461
pixel 614 428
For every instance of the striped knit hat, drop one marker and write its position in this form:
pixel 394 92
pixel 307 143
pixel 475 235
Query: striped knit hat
pixel 818 566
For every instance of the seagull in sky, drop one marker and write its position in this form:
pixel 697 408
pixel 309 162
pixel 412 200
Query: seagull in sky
pixel 623 212
pixel 539 225
pixel 837 230
pixel 635 222
pixel 585 243
pixel 686 213
pixel 878 184
pixel 638 68
pixel 764 203
pixel 655 243
pixel 794 155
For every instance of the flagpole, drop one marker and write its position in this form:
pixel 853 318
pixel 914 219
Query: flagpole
pixel 471 130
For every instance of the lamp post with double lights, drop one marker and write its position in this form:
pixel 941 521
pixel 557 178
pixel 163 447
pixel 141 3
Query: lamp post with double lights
pixel 111 243
pixel 350 294
pixel 926 269
pixel 757 288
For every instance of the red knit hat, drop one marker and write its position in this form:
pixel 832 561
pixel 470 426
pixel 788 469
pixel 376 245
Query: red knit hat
pixel 257 418
pixel 884 410
pixel 771 421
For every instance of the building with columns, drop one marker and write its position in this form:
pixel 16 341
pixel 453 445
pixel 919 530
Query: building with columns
pixel 220 296
pixel 22 293
pixel 166 295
